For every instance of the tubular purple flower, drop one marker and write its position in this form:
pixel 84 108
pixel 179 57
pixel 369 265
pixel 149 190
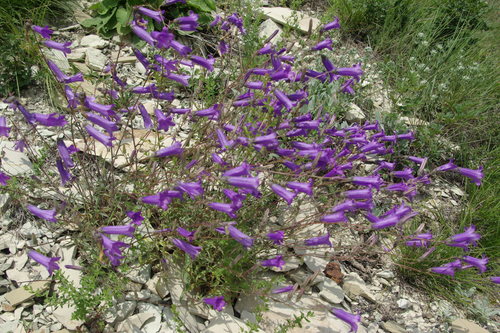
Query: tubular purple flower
pixel 112 249
pixel 407 136
pixel 63 173
pixel 136 217
pixel 251 183
pixel 155 15
pixel 495 279
pixel 188 23
pixel 73 102
pixel 191 250
pixel 242 170
pixel 102 138
pixel 174 149
pixel 142 33
pixel 182 79
pixel 464 239
pixel 227 208
pixel 267 140
pixel 284 193
pixel 309 125
pixel 212 112
pixel 48 262
pixel 160 199
pixel 126 230
pixel 64 153
pixel 240 237
pixel 51 120
pixel 164 122
pixel 276 237
pixel 325 44
pixel 388 221
pixel 349 318
pixel 446 167
pixel 183 50
pixel 479 263
pixel 4 130
pixel 105 110
pixel 334 218
pixel 282 289
pixel 216 21
pixel 418 160
pixel 237 21
pixel 20 145
pixel 63 47
pixel 400 187
pixel 347 205
pixel 372 181
pixel 216 302
pixel 254 85
pixel 28 116
pixel 331 25
pixel 354 71
pixel 4 178
pixel 223 141
pixel 207 63
pixel 148 123
pixel 45 214
pixel 283 99
pixel 192 189
pixel 45 32
pixel 320 240
pixel 301 187
pixel 163 38
pixel 448 269
pixel 108 125
pixel 274 262
pixel 404 174
pixel 474 175
pixel 171 2
pixel 364 194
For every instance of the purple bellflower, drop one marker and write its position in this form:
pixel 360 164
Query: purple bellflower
pixel 216 302
pixel 112 249
pixel 276 237
pixel 63 173
pixel 106 124
pixel 188 23
pixel 63 47
pixel 192 189
pixel 207 63
pixel 191 250
pixel 349 318
pixel 155 15
pixel 284 193
pixel 371 181
pixel 274 262
pixel 448 269
pixel 45 32
pixel 148 123
pixel 479 263
pixel 142 33
pixel 469 236
pixel 282 289
pixel 45 214
pixel 4 130
pixel 126 230
pixel 320 240
pixel 49 263
pixel 160 199
pixel 445 167
pixel 51 120
pixel 174 149
pixel 474 175
pixel 136 217
pixel 334 218
pixel 306 188
pixel 164 122
pixel 4 178
pixel 325 44
pixel 331 25
pixel 251 183
pixel 102 138
pixel 240 237
pixel 186 233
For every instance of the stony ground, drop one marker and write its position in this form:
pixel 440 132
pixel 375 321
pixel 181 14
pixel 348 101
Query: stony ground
pixel 372 286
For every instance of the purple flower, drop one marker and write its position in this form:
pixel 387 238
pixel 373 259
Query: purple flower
pixel 334 218
pixel 448 269
pixel 212 112
pixel 108 125
pixel 282 289
pixel 182 79
pixel 480 264
pixel 495 279
pixel 301 187
pixel 188 23
pixel 160 199
pixel 112 249
pixel 474 175
pixel 163 38
pixel 45 32
pixel 237 21
pixel 105 110
pixel 266 140
pixel 274 262
pixel 404 174
pixel 174 149
pixel 406 136
pixel 325 44
pixel 45 214
pixel 418 160
pixel 192 189
pixel 63 173
pixel 52 120
pixel 4 130
pixel 364 194
pixel 349 318
pixel 276 237
pixel 164 122
pixel 20 145
pixel 223 141
pixel 446 167
pixel 148 123
pixel 320 240
pixel 284 193
pixel 216 21
pixel 207 63
pixel 216 302
pixel 283 99
pixel 242 170
pixel 102 138
pixel 331 25
pixel 464 239
pixel 387 221
pixel 171 2
pixel 49 263
pixel 354 71
pixel 4 178
pixel 223 47
pixel 251 183
pixel 420 240
pixel 28 116
pixel 142 33
pixel 374 181
pixel 155 15
pixel 240 237
pixel 227 208
pixel 183 50
pixel 192 250
pixel 63 47
pixel 186 233
pixel 126 230
pixel 136 217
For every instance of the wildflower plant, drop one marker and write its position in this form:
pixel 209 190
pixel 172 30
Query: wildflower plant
pixel 137 180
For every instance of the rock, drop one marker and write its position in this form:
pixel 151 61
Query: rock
pixel 20 295
pixel 120 311
pixel 392 327
pixel 141 295
pixel 57 57
pixel 354 113
pixel 20 261
pixel 225 323
pixel 331 292
pixel 95 59
pixel 4 200
pixel 267 28
pixel 84 69
pixel 284 15
pixel 20 329
pixel 315 264
pixel 154 323
pixel 77 55
pixel 301 275
pixel 63 315
pixel 93 41
pixel 140 274
pixel 14 162
pixel 126 60
pixel 9 326
pixel 157 285
pixel 133 324
pixel 355 286
pixel 386 275
pixel 140 68
pixel 403 303
pixel 466 326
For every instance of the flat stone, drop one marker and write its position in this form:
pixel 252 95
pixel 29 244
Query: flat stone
pixel 133 324
pixel 403 303
pixel 57 57
pixel 315 264
pixel 9 326
pixel 354 113
pixel 77 55
pixel 63 315
pixel 153 324
pixel 466 326
pixel 392 327
pixel 225 323
pixel 140 274
pixel 157 285
pixel 267 28
pixel 14 162
pixel 95 59
pixel 355 286
pixel 126 60
pixel 120 311
pixel 21 295
pixel 386 275
pixel 94 41
pixel 331 292
pixel 285 15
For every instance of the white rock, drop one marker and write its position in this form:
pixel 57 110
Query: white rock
pixel 331 292
pixel 267 28
pixel 403 303
pixel 225 323
pixel 14 162
pixel 140 68
pixel 134 324
pixel 95 59
pixel 77 55
pixel 354 113
pixel 284 15
pixel 153 324
pixel 140 274
pixel 315 264
pixel 466 326
pixel 119 312
pixel 63 315
pixel 386 275
pixel 57 57
pixel 9 326
pixel 355 286
pixel 157 285
pixel 94 41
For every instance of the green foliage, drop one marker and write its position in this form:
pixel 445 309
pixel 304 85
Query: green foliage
pixel 295 322
pixel 114 16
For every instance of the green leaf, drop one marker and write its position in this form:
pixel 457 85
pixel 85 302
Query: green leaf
pixel 202 5
pixel 91 22
pixel 123 16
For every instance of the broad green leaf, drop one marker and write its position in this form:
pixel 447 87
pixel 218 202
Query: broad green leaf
pixel 123 16
pixel 123 30
pixel 91 22
pixel 202 5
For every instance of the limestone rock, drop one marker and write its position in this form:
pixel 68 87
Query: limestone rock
pixel 355 286
pixel 14 162
pixel 120 311
pixel 267 28
pixel 331 292
pixel 63 315
pixel 354 113
pixel 284 15
pixel 57 57
pixel 21 295
pixel 95 59
pixel 133 324
pixel 93 41
pixel 466 326
pixel 392 327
